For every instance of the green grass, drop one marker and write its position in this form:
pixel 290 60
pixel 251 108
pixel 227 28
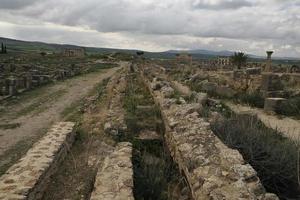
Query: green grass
pixel 290 108
pixel 254 99
pixel 274 157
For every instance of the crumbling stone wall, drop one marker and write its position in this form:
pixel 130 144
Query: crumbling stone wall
pixel 212 170
pixel 114 181
pixel 28 178
pixel 115 119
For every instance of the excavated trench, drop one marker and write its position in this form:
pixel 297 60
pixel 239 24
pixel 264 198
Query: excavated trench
pixel 274 157
pixel 156 176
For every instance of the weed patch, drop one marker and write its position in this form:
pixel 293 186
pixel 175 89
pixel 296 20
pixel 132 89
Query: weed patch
pixel 274 157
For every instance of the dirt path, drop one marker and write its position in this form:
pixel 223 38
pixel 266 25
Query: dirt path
pixel 287 126
pixel 76 175
pixel 45 109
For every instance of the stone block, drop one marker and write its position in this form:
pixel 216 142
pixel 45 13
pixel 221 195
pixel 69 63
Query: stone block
pixel 28 178
pixel 272 104
pixel 114 181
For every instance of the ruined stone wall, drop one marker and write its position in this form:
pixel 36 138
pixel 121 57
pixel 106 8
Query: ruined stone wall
pixel 28 178
pixel 212 170
pixel 115 118
pixel 115 179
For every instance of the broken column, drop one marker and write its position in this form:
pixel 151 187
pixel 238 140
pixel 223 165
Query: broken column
pixel 2 85
pixel 269 61
pixel 12 86
pixel 28 81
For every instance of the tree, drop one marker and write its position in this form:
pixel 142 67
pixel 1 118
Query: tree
pixel 2 48
pixel 239 59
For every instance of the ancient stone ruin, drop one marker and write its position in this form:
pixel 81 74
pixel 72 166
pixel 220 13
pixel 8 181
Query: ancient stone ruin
pixel 28 178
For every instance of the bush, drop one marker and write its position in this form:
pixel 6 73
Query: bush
pixel 290 108
pixel 254 99
pixel 274 157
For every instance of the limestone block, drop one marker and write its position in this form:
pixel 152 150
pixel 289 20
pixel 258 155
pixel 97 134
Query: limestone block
pixel 272 104
pixel 28 178
pixel 114 181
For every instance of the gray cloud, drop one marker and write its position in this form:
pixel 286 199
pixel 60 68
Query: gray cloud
pixel 219 5
pixel 15 4
pixel 250 25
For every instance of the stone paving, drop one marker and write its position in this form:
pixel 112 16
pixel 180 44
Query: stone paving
pixel 213 171
pixel 28 178
pixel 115 180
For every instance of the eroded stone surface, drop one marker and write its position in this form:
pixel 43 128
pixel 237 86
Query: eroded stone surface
pixel 27 178
pixel 115 122
pixel 114 181
pixel 213 171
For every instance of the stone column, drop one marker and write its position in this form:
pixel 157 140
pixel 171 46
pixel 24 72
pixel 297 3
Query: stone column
pixel 269 61
pixel 2 86
pixel 28 81
pixel 12 86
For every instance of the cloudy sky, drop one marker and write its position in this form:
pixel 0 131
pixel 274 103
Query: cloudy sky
pixel 253 26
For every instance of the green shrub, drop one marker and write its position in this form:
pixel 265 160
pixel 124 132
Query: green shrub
pixel 290 108
pixel 254 99
pixel 274 157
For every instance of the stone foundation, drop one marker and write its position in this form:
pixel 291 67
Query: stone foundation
pixel 114 181
pixel 115 119
pixel 28 178
pixel 212 170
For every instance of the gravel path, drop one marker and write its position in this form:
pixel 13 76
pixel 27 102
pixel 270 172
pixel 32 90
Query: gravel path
pixel 42 117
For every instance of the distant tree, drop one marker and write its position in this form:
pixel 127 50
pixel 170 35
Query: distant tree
pixel 239 59
pixel 5 51
pixel 140 53
pixel 43 53
pixel 2 47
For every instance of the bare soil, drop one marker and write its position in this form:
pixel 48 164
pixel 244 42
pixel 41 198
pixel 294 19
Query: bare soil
pixel 37 111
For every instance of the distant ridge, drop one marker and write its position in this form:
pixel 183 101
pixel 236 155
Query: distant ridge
pixel 32 46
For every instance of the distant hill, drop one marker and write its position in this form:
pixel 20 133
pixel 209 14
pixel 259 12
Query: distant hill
pixel 14 45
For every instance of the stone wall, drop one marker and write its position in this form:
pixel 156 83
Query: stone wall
pixel 115 118
pixel 114 181
pixel 212 170
pixel 28 178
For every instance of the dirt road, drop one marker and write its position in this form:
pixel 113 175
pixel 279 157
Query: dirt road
pixel 44 108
